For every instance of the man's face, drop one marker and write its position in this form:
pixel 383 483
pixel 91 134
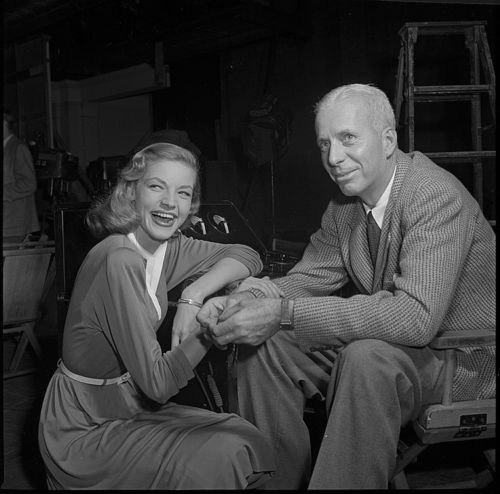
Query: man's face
pixel 353 152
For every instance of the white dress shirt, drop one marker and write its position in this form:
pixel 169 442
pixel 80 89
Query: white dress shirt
pixel 378 211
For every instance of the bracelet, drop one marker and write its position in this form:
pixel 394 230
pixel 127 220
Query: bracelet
pixel 190 301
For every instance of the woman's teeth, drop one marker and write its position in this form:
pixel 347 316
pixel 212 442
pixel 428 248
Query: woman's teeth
pixel 164 218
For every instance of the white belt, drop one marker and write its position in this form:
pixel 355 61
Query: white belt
pixel 92 380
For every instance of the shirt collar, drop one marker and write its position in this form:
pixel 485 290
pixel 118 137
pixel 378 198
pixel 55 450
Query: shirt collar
pixel 378 211
pixel 145 253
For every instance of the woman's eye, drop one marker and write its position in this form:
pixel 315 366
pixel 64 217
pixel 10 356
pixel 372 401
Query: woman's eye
pixel 155 186
pixel 185 193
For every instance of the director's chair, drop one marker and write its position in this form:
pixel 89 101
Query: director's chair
pixel 451 420
pixel 28 270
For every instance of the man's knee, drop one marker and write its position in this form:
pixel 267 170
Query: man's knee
pixel 367 351
pixel 371 361
pixel 367 365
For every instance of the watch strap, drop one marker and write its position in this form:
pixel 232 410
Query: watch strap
pixel 286 321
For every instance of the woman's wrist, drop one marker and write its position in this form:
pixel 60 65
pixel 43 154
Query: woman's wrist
pixel 195 347
pixel 192 294
pixel 190 301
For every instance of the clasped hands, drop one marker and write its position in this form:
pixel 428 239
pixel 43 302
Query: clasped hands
pixel 240 317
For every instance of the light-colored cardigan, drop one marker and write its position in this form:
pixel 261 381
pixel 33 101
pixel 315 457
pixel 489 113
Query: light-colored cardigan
pixel 435 271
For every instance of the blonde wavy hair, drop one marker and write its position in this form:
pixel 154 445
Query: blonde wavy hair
pixel 115 213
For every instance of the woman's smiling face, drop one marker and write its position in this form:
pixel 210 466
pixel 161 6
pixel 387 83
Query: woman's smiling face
pixel 163 199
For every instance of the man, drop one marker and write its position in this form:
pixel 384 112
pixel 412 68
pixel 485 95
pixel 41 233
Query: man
pixel 19 186
pixel 433 270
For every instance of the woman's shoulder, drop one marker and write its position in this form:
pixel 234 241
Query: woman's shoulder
pixel 116 248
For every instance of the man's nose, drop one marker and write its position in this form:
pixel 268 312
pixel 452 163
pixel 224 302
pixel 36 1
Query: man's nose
pixel 336 153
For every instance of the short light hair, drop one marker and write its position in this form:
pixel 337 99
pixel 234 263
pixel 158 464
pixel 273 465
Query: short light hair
pixel 116 213
pixel 380 111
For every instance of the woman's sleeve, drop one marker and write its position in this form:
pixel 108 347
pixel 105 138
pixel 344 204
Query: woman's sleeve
pixel 132 326
pixel 190 256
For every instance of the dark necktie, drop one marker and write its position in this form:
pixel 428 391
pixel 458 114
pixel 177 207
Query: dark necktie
pixel 373 233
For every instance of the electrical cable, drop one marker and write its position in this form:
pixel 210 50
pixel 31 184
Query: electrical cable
pixel 203 389
pixel 214 389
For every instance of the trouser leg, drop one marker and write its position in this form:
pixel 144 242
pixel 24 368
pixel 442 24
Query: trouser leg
pixel 274 381
pixel 375 389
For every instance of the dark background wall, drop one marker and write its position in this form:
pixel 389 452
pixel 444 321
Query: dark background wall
pixel 351 41
pixel 223 57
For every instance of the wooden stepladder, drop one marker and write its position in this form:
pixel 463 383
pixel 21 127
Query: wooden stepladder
pixel 481 85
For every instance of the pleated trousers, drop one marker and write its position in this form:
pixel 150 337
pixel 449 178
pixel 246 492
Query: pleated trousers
pixel 371 389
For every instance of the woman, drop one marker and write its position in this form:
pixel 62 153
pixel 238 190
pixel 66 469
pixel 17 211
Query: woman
pixel 106 421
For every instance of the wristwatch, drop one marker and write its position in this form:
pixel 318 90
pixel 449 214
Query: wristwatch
pixel 286 321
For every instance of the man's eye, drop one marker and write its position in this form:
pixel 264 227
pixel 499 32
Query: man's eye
pixel 348 138
pixel 324 146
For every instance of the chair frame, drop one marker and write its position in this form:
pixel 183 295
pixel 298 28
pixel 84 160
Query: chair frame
pixel 24 321
pixel 452 420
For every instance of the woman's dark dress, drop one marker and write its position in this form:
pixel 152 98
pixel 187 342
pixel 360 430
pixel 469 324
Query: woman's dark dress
pixel 127 435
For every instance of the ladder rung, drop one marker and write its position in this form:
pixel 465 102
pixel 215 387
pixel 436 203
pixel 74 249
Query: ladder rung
pixel 460 155
pixel 440 28
pixel 456 89
pixel 431 98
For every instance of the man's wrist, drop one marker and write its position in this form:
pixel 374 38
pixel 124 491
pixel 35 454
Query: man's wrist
pixel 286 317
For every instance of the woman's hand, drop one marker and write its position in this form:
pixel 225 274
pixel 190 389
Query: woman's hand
pixel 216 307
pixel 185 323
pixel 250 321
pixel 265 285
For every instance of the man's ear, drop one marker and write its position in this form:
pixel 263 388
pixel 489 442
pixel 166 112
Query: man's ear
pixel 390 141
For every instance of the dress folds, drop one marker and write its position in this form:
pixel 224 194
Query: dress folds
pixel 128 435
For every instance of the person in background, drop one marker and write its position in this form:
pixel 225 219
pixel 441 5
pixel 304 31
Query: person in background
pixel 107 421
pixel 422 258
pixel 20 216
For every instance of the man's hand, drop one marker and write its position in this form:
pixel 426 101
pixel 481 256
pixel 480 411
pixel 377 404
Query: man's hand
pixel 249 321
pixel 184 324
pixel 264 284
pixel 214 307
